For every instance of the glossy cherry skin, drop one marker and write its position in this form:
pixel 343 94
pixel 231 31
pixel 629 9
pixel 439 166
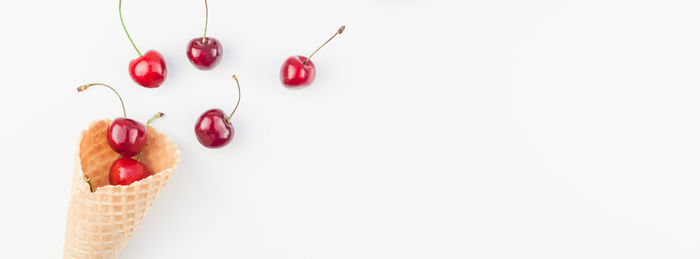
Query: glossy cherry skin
pixel 126 170
pixel 205 55
pixel 126 136
pixel 296 74
pixel 148 70
pixel 212 129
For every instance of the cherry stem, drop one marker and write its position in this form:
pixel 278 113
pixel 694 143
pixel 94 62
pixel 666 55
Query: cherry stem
pixel 239 99
pixel 88 181
pixel 206 22
pixel 127 32
pixel 85 87
pixel 341 30
pixel 157 115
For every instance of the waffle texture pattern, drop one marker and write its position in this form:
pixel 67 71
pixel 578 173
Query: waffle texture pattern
pixel 100 223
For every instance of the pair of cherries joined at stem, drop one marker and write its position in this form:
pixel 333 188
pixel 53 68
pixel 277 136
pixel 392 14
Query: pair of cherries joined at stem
pixel 149 70
pixel 126 137
pixel 299 71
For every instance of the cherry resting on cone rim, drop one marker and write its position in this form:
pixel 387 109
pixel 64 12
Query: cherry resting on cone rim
pixel 148 70
pixel 125 136
pixel 299 71
pixel 213 128
pixel 204 53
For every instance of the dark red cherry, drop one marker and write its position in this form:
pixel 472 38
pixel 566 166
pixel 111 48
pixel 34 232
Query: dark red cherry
pixel 299 71
pixel 204 55
pixel 213 130
pixel 126 170
pixel 296 74
pixel 126 136
pixel 148 70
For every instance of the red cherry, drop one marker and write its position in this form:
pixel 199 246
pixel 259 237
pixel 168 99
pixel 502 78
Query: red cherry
pixel 213 129
pixel 126 170
pixel 204 55
pixel 296 74
pixel 148 70
pixel 126 136
pixel 299 71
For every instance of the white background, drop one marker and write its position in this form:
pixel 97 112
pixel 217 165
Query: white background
pixel 434 129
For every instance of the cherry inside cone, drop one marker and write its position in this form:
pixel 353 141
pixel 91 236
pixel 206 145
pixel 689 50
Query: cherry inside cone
pixel 126 170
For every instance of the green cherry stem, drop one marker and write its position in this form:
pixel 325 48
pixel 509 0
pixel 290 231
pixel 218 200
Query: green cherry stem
pixel 239 99
pixel 85 87
pixel 340 31
pixel 88 181
pixel 157 115
pixel 206 22
pixel 127 32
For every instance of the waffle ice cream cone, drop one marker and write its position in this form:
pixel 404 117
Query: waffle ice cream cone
pixel 101 222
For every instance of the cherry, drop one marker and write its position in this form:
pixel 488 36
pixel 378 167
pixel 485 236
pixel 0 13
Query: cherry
pixel 213 129
pixel 299 71
pixel 296 74
pixel 204 53
pixel 148 70
pixel 125 136
pixel 126 170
